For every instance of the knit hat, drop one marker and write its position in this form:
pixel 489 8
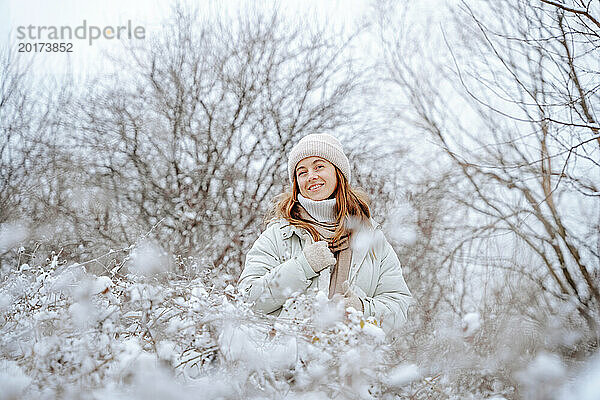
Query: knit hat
pixel 319 145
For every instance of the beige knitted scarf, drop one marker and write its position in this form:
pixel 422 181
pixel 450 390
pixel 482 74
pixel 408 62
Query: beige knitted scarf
pixel 340 249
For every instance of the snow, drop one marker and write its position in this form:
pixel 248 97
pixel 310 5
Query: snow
pixel 11 234
pixel 327 313
pixel 544 368
pixel 166 350
pixel 247 345
pixel 587 385
pixel 121 337
pixel 67 279
pixel 24 267
pixel 101 285
pixel 402 226
pixel 402 375
pixel 148 259
pixel 364 237
pixel 405 235
pixel 543 376
pixel 373 330
pixel 81 314
pixel 199 292
pixel 5 302
pixel 471 324
pixel 13 381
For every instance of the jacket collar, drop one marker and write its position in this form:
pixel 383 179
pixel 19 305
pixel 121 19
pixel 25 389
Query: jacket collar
pixel 288 229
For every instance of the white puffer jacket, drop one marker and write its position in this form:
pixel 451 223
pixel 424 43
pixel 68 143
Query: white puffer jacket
pixel 276 268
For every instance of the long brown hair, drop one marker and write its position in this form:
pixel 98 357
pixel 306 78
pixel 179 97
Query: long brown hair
pixel 351 208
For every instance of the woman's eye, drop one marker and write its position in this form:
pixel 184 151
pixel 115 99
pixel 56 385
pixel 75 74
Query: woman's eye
pixel 301 173
pixel 319 167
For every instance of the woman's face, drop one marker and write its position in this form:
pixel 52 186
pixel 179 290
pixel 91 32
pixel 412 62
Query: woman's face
pixel 316 178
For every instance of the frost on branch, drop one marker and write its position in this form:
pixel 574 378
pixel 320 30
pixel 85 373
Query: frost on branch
pixel 66 333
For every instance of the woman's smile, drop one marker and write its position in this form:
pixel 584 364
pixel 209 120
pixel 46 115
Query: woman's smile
pixel 315 187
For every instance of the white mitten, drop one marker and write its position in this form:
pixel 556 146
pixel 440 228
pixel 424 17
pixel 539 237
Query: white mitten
pixel 318 255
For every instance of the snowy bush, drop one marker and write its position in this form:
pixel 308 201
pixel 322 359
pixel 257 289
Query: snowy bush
pixel 66 333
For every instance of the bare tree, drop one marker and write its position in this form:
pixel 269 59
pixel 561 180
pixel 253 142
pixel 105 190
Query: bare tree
pixel 30 177
pixel 191 136
pixel 516 114
pixel 16 116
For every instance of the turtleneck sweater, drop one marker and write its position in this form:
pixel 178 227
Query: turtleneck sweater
pixel 322 211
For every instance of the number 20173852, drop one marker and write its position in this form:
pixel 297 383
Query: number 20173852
pixel 45 47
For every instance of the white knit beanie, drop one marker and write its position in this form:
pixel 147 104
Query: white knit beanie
pixel 319 145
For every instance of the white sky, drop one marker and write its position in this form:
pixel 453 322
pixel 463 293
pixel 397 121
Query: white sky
pixel 72 13
pixel 147 13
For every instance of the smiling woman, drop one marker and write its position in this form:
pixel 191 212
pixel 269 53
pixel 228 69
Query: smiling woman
pixel 321 237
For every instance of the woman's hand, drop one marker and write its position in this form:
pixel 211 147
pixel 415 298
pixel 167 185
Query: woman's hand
pixel 318 255
pixel 351 299
pixel 354 301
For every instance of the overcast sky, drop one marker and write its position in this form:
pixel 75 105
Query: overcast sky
pixel 150 14
pixel 147 13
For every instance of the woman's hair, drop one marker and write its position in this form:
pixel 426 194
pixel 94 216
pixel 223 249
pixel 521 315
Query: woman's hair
pixel 351 208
